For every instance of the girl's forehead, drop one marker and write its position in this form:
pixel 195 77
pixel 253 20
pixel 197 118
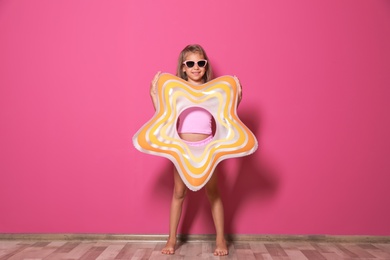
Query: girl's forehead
pixel 193 55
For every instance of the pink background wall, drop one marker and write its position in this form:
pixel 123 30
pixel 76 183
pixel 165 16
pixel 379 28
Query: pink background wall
pixel 74 82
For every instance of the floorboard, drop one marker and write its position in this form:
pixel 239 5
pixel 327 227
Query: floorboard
pixel 274 250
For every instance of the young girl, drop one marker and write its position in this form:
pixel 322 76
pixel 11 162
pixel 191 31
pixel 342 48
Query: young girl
pixel 195 127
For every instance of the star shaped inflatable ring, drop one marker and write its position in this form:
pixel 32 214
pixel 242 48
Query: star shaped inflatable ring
pixel 195 164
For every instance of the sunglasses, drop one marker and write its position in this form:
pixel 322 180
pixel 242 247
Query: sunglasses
pixel 190 63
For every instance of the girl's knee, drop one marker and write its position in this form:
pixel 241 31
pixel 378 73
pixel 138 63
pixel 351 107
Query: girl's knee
pixel 211 188
pixel 180 189
pixel 179 193
pixel 212 193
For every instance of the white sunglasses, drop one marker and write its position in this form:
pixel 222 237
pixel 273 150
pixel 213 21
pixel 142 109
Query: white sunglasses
pixel 200 63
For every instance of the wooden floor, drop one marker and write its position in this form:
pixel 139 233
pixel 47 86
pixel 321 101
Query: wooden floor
pixel 26 249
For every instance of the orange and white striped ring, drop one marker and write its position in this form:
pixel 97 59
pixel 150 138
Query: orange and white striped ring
pixel 195 164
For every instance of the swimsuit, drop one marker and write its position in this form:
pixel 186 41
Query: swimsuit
pixel 201 142
pixel 196 120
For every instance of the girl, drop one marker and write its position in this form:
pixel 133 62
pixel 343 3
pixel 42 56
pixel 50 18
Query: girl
pixel 195 127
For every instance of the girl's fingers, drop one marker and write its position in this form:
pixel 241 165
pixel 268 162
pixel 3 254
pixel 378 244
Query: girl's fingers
pixel 155 79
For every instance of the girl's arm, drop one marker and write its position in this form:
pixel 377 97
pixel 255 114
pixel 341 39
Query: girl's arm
pixel 239 90
pixel 153 89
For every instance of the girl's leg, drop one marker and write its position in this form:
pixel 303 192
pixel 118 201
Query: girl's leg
pixel 215 200
pixel 179 193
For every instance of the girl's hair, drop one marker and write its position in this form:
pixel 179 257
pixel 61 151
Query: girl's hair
pixel 194 48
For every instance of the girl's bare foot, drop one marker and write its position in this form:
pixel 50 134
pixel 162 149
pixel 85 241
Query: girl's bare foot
pixel 221 248
pixel 169 248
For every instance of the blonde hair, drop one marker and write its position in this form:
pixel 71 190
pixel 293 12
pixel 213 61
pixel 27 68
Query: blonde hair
pixel 194 48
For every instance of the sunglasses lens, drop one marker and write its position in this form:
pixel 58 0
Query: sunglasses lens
pixel 201 63
pixel 190 64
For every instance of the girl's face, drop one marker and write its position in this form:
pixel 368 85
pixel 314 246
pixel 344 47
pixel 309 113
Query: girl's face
pixel 196 73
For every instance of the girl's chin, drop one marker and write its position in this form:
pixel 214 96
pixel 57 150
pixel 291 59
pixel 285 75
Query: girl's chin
pixel 196 81
pixel 196 77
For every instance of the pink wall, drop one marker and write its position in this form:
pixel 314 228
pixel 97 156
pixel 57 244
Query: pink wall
pixel 74 79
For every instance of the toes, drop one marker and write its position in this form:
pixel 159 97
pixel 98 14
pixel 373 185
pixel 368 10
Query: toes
pixel 168 251
pixel 220 252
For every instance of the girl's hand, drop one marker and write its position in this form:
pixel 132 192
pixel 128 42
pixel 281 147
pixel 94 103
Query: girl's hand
pixel 153 84
pixel 239 89
pixel 153 89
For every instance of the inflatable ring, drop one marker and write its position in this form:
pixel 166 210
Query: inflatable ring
pixel 195 164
